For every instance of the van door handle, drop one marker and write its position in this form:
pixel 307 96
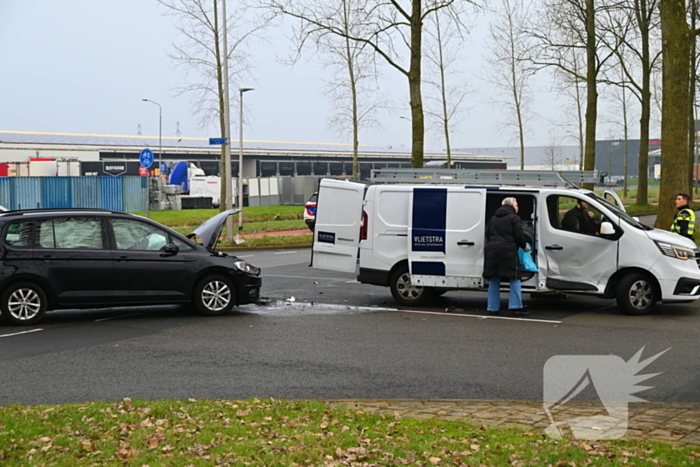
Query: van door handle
pixel 465 242
pixel 554 247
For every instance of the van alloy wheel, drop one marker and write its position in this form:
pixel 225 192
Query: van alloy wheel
pixel 637 294
pixel 404 292
pixel 23 304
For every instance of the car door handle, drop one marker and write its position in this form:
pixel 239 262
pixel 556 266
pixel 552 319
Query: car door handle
pixel 465 242
pixel 554 247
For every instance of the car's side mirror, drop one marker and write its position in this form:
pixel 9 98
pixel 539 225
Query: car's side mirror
pixel 170 250
pixel 636 218
pixel 606 228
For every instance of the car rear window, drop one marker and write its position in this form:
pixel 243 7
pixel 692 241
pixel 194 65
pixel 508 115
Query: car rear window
pixel 82 233
pixel 19 234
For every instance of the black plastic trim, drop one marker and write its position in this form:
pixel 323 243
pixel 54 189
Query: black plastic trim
pixel 373 276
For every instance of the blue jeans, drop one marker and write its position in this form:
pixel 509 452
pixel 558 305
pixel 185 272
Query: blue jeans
pixel 515 299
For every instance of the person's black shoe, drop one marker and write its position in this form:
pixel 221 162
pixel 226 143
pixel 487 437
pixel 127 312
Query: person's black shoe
pixel 521 311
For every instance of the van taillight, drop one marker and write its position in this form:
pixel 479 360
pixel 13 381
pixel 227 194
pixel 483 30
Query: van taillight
pixel 363 226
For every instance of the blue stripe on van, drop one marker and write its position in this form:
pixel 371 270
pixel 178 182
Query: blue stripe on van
pixel 429 219
pixel 427 268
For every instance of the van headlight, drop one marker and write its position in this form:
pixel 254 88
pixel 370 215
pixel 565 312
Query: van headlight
pixel 675 251
pixel 247 267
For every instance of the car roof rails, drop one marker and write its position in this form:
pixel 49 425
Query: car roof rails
pixel 530 178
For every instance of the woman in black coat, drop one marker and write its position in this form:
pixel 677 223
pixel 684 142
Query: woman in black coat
pixel 504 235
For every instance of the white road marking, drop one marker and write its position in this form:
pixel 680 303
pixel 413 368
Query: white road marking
pixel 286 252
pixel 22 332
pixel 481 316
pixel 117 317
pixel 244 256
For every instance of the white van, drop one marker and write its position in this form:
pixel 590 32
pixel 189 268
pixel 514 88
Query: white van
pixel 427 236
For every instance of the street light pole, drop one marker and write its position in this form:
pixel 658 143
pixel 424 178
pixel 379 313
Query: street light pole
pixel 160 134
pixel 240 158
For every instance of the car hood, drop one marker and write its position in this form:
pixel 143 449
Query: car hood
pixel 210 230
pixel 668 237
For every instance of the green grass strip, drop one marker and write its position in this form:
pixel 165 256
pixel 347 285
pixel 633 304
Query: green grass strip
pixel 287 433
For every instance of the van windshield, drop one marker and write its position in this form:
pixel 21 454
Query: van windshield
pixel 619 212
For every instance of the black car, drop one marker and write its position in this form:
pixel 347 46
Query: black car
pixel 91 258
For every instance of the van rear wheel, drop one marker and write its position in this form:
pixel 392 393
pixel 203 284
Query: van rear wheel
pixel 637 294
pixel 404 292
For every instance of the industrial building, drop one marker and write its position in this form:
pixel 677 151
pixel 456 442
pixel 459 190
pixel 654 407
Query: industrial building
pixel 34 153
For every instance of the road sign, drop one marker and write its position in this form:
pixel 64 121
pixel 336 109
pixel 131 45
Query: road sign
pixel 217 140
pixel 146 157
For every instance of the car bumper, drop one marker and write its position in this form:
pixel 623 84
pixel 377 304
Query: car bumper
pixel 249 289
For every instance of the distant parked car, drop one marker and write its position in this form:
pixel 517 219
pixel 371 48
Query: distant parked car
pixel 310 211
pixel 93 258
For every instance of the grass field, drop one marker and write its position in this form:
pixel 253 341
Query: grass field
pixel 287 433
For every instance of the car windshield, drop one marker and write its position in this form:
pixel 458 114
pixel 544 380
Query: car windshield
pixel 619 212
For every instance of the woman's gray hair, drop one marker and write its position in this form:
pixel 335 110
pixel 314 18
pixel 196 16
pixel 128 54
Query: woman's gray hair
pixel 510 201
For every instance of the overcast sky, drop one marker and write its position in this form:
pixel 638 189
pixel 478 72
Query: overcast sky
pixel 83 66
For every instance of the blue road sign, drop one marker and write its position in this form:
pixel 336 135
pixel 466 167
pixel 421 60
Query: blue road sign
pixel 217 140
pixel 146 157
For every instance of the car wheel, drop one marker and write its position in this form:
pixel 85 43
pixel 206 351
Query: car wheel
pixel 215 295
pixel 636 294
pixel 23 304
pixel 404 292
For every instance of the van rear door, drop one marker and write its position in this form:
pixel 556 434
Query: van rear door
pixel 337 228
pixel 446 237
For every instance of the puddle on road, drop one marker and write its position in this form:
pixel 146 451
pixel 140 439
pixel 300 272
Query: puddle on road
pixel 285 307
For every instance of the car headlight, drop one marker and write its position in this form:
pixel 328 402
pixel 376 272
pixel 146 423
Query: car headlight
pixel 247 267
pixel 675 251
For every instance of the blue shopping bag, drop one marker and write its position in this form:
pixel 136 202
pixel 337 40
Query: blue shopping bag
pixel 526 261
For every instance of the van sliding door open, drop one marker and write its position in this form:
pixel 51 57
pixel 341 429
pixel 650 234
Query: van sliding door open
pixel 337 228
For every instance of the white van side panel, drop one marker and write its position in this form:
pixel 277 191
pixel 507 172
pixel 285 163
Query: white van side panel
pixel 388 225
pixel 337 228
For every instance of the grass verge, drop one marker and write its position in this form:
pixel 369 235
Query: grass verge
pixel 286 433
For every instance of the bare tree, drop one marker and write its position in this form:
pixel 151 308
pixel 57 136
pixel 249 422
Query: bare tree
pixel 563 20
pixel 573 90
pixel 387 28
pixel 510 71
pixel 631 30
pixel 199 54
pixel 622 112
pixel 552 150
pixel 352 83
pixel 443 41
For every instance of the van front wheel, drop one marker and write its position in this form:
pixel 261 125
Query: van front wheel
pixel 404 292
pixel 636 294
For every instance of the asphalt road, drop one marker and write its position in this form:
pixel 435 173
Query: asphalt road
pixel 336 339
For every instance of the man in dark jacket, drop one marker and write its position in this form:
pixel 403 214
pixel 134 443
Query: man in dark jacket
pixel 578 219
pixel 504 235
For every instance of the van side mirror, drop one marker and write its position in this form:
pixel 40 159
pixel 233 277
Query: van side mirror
pixel 636 218
pixel 606 228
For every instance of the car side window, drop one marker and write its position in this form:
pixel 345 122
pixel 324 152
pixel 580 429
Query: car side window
pixel 135 235
pixel 73 233
pixel 19 234
pixel 573 215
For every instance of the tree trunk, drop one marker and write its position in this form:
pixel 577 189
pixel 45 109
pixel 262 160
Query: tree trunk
pixel 643 162
pixel 414 87
pixel 691 101
pixel 223 170
pixel 353 91
pixel 591 89
pixel 675 38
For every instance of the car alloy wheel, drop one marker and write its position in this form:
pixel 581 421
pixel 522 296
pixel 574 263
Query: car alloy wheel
pixel 24 304
pixel 215 295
